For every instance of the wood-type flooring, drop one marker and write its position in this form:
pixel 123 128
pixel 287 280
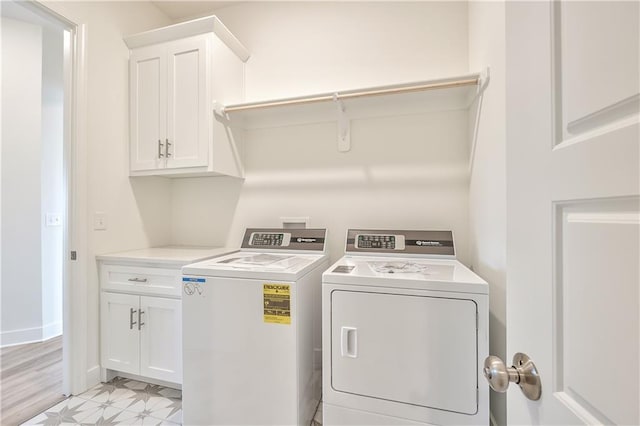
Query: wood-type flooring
pixel 30 380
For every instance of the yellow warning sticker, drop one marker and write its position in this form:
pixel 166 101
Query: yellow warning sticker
pixel 277 303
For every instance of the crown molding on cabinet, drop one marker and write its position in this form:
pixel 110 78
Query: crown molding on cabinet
pixel 187 29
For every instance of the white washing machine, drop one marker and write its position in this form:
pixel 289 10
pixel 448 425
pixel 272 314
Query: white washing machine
pixel 405 333
pixel 251 330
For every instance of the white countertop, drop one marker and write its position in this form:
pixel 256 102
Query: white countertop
pixel 169 255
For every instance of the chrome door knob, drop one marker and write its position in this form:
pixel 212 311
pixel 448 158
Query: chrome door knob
pixel 497 373
pixel 523 372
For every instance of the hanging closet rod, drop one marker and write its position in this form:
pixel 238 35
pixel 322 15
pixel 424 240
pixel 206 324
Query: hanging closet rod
pixel 355 94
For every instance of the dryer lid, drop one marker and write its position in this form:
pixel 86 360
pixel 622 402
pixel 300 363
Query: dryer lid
pixel 405 272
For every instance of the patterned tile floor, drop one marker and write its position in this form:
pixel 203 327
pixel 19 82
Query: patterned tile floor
pixel 119 402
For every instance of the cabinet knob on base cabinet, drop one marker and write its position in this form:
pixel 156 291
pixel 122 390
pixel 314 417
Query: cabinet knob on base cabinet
pixel 523 372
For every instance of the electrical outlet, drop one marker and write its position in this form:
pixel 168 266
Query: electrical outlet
pixel 294 222
pixel 99 221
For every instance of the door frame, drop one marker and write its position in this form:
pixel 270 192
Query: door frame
pixel 74 324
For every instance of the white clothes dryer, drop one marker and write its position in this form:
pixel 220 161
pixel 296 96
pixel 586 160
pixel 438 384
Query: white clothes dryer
pixel 405 333
pixel 251 330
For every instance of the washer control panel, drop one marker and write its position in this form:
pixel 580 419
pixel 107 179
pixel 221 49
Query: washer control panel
pixel 270 239
pixel 289 239
pixel 379 241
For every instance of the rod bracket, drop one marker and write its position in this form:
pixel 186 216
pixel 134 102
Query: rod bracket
pixel 344 126
pixel 483 80
pixel 218 109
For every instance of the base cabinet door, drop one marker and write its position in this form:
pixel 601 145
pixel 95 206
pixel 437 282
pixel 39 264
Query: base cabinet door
pixel 161 338
pixel 142 335
pixel 120 335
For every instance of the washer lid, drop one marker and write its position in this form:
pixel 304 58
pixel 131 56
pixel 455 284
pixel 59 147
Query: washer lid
pixel 263 265
pixel 405 272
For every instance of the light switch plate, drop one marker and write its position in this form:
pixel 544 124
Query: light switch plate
pixel 53 219
pixel 99 221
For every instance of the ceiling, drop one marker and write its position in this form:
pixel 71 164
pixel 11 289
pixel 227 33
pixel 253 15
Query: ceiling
pixel 183 9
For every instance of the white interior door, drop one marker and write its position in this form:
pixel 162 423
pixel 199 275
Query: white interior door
pixel 573 209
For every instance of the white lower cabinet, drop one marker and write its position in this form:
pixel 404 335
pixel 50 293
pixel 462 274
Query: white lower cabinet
pixel 142 335
pixel 141 311
pixel 141 321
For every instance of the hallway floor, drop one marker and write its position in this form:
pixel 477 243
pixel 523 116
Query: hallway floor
pixel 30 379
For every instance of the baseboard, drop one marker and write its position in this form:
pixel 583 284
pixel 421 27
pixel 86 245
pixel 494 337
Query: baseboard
pixel 113 373
pixel 20 337
pixel 30 335
pixel 51 330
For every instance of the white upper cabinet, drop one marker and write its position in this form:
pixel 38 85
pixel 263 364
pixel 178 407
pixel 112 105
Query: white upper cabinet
pixel 186 142
pixel 148 107
pixel 176 75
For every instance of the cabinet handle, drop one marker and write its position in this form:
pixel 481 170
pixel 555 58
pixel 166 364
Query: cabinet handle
pixel 160 144
pixel 138 280
pixel 140 323
pixel 166 148
pixel 131 321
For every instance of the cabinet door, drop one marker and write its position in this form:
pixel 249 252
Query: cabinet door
pixel 161 338
pixel 119 330
pixel 148 112
pixel 187 117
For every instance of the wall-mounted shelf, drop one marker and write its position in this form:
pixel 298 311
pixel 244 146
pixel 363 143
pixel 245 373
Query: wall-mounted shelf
pixel 342 106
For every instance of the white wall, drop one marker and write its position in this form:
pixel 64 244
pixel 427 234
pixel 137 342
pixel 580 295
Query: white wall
pixel 21 157
pixel 402 171
pixel 308 47
pixel 35 174
pixel 487 194
pixel 52 185
pixel 138 211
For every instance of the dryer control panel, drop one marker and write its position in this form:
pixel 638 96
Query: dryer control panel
pixel 430 243
pixel 285 239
